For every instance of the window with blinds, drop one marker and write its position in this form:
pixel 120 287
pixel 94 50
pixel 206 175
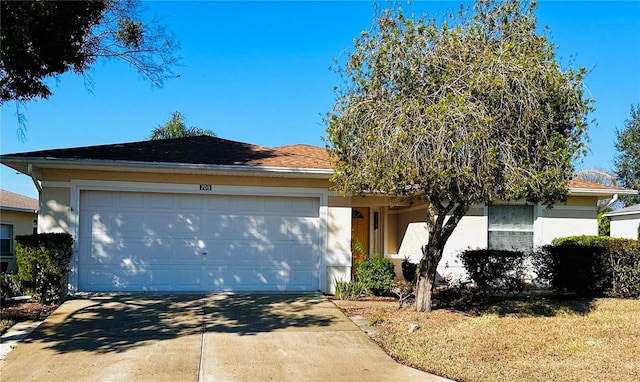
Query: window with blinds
pixel 511 227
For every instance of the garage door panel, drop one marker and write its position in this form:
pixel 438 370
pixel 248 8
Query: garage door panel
pixel 145 241
pixel 109 278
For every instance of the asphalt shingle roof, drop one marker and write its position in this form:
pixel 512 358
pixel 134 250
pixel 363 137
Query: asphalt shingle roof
pixel 195 150
pixel 10 199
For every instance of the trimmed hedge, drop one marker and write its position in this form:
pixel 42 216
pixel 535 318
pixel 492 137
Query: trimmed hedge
pixel 43 264
pixel 592 265
pixel 495 271
pixel 376 274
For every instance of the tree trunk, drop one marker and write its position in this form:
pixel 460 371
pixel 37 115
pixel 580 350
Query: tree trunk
pixel 427 277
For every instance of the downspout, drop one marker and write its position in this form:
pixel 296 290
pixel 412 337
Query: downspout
pixel 33 178
pixel 613 200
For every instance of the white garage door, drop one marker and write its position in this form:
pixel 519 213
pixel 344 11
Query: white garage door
pixel 133 241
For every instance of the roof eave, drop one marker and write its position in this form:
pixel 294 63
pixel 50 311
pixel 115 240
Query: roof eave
pixel 18 209
pixel 574 191
pixel 625 213
pixel 21 163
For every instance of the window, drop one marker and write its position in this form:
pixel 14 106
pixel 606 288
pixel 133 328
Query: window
pixel 6 235
pixel 511 227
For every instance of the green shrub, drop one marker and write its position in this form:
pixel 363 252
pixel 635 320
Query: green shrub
pixel 592 265
pixel 495 271
pixel 43 264
pixel 10 285
pixel 376 273
pixel 350 290
pixel 624 257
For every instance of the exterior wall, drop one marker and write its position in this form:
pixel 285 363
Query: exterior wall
pixel 55 210
pixel 149 177
pixel 625 226
pixel 411 234
pixel 567 220
pixel 59 207
pixel 337 259
pixel 22 223
pixel 407 231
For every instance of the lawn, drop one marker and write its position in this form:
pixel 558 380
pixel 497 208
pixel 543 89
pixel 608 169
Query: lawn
pixel 536 339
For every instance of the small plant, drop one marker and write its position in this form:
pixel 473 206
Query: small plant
pixel 10 285
pixel 377 319
pixel 350 290
pixel 404 290
pixel 409 270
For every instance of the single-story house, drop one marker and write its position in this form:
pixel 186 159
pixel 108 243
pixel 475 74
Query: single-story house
pixel 625 222
pixel 209 214
pixel 18 216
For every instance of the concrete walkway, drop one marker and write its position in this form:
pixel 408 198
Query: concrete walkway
pixel 201 338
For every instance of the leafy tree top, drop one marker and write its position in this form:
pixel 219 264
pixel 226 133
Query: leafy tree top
pixel 627 162
pixel 41 39
pixel 470 108
pixel 176 127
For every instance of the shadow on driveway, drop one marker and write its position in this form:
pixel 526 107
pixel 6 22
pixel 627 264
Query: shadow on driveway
pixel 197 337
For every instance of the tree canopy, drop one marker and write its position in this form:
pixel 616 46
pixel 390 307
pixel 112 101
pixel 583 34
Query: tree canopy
pixel 176 127
pixel 468 108
pixel 41 39
pixel 627 162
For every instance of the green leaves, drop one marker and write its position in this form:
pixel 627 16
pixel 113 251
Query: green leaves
pixel 627 162
pixel 471 109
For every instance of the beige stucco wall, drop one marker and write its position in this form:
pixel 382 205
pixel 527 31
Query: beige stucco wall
pixel 69 175
pixel 562 221
pixel 55 210
pixel 406 231
pixel 625 226
pixel 22 223
pixel 337 259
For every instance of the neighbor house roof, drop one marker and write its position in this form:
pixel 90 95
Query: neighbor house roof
pixel 16 202
pixel 579 187
pixel 631 210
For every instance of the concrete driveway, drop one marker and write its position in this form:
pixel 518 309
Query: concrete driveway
pixel 201 338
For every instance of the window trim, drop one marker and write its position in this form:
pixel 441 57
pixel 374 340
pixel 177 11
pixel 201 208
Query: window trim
pixel 532 229
pixel 11 252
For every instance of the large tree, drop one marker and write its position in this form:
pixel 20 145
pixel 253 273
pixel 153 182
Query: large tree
pixel 469 108
pixel 627 162
pixel 176 127
pixel 41 39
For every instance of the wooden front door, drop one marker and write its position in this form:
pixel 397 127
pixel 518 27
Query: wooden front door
pixel 360 232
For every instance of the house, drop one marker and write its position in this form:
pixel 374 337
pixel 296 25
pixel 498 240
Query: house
pixel 208 214
pixel 625 222
pixel 18 216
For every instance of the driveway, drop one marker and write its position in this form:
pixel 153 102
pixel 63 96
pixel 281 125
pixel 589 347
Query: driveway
pixel 218 337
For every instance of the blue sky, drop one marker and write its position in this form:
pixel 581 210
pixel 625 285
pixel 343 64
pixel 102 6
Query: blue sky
pixel 258 72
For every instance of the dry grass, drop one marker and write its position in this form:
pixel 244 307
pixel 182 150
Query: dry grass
pixel 524 340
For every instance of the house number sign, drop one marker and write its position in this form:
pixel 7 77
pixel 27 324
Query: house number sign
pixel 206 187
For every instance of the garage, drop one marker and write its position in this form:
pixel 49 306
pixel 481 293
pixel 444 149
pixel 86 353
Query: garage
pixel 154 241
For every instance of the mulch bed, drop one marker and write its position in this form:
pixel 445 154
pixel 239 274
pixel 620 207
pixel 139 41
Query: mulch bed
pixel 17 311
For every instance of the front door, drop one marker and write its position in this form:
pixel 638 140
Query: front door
pixel 359 232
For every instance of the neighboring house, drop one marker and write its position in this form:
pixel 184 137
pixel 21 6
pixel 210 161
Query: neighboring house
pixel 625 222
pixel 18 216
pixel 208 214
